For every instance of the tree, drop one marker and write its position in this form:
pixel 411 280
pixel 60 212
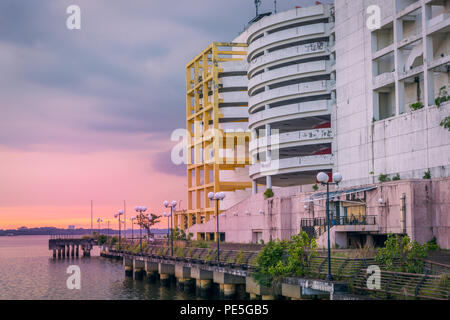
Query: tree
pixel 145 223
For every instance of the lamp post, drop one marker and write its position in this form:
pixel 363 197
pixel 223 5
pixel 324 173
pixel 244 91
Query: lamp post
pixel 172 206
pixel 141 210
pixel 323 178
pixel 217 196
pixel 99 221
pixel 132 228
pixel 117 215
pixel 168 227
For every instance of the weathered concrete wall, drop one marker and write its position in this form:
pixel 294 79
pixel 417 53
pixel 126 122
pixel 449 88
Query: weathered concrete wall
pixel 427 208
pixel 409 143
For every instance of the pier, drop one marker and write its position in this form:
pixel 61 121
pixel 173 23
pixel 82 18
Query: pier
pixel 65 247
pixel 231 280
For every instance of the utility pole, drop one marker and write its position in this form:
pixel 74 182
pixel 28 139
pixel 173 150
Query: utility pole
pixel 92 227
pixel 125 218
pixel 275 6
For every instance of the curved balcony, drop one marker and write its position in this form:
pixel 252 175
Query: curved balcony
pixel 284 18
pixel 279 56
pixel 293 111
pixel 292 139
pixel 234 97
pixel 233 81
pixel 297 71
pixel 234 112
pixel 288 92
pixel 283 37
pixel 295 164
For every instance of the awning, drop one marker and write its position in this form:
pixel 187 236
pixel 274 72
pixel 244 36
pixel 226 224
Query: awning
pixel 323 195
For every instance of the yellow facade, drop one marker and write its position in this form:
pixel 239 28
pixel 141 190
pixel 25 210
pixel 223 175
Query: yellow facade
pixel 206 139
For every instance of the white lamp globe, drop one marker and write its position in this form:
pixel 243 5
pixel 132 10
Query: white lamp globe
pixel 165 214
pixel 166 203
pixel 115 215
pixel 144 208
pixel 211 195
pixel 322 177
pixel 174 203
pixel 120 212
pixel 337 177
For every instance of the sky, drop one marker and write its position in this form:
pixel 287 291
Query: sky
pixel 88 114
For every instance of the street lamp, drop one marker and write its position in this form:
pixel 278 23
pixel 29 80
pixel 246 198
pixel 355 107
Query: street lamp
pixel 217 196
pixel 323 178
pixel 117 215
pixel 168 227
pixel 132 228
pixel 141 210
pixel 99 221
pixel 172 206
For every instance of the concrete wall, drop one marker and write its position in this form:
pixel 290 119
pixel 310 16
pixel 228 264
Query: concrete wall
pixel 409 143
pixel 427 208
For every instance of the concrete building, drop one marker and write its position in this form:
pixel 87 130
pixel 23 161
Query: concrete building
pixel 329 92
pixel 380 75
pixel 289 90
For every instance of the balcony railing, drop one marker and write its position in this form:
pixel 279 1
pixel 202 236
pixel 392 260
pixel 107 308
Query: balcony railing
pixel 339 221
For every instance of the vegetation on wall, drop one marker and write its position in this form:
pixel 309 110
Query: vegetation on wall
pixel 442 97
pixel 416 106
pixel 446 123
pixel 396 177
pixel 315 187
pixel 383 178
pixel 268 193
pixel 427 175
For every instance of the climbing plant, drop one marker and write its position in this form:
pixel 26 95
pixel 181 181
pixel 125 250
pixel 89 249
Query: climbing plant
pixel 446 123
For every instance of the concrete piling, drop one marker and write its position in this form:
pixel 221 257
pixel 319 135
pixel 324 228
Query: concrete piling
pixel 128 264
pixel 138 269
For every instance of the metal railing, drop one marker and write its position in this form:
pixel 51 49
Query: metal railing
pixel 339 221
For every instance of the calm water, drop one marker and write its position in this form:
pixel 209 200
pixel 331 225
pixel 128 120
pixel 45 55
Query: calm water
pixel 27 271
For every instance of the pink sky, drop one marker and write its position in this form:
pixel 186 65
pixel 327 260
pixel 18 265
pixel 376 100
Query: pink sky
pixel 55 189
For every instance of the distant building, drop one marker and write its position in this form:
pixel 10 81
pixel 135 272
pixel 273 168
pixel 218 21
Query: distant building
pixel 71 227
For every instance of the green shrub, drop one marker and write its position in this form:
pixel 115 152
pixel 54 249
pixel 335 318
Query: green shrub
pixel 315 187
pixel 400 254
pixel 432 245
pixel 240 258
pixel 279 259
pixel 101 239
pixel 268 193
pixel 396 177
pixel 427 175
pixel 442 97
pixel 200 244
pixel 446 123
pixel 416 106
pixel 383 178
pixel 179 252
